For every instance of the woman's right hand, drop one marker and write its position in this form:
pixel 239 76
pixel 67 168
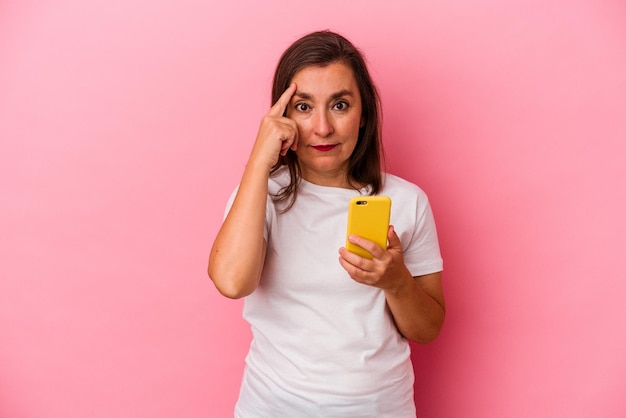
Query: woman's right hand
pixel 238 252
pixel 277 133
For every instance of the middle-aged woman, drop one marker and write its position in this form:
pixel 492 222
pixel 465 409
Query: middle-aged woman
pixel 330 328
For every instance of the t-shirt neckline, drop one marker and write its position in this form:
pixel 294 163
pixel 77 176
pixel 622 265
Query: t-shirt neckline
pixel 316 188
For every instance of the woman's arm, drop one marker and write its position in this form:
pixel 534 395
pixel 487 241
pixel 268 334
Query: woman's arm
pixel 236 259
pixel 238 252
pixel 418 307
pixel 416 303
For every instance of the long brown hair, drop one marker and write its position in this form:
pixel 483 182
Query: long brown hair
pixel 321 49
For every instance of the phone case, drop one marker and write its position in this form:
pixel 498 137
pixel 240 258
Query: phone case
pixel 368 217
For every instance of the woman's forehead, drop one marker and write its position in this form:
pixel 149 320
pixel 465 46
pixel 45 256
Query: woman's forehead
pixel 333 80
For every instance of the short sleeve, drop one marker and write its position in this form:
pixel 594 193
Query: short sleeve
pixel 270 212
pixel 422 255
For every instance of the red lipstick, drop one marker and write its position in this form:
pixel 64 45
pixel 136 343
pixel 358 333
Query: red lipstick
pixel 324 148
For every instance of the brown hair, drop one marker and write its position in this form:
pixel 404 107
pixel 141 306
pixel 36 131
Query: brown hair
pixel 321 49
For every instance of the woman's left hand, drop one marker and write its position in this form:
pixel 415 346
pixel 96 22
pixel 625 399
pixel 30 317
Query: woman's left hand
pixel 416 303
pixel 386 270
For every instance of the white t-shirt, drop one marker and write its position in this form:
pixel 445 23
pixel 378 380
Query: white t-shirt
pixel 324 345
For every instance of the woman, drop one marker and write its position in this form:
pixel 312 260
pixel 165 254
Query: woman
pixel 330 328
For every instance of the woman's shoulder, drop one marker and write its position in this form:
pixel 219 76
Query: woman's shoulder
pixel 278 179
pixel 393 184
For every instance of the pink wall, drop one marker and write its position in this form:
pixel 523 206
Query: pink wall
pixel 124 125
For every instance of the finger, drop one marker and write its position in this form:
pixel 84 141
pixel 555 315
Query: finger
pixel 354 264
pixel 293 140
pixel 283 101
pixel 294 144
pixel 289 141
pixel 371 247
pixel 352 258
pixel 286 145
pixel 393 238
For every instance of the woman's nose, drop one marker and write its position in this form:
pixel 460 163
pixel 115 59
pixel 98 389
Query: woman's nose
pixel 323 125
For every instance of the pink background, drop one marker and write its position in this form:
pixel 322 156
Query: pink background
pixel 124 126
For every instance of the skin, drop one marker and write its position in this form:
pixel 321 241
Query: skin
pixel 323 117
pixel 416 303
pixel 327 110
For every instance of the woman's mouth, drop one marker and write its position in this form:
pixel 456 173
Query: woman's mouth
pixel 325 147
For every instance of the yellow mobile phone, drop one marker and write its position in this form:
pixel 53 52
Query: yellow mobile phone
pixel 368 217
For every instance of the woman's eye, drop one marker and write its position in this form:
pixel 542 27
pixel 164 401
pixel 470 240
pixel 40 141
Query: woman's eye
pixel 340 106
pixel 302 107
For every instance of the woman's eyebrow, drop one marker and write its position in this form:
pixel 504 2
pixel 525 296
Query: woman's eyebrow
pixel 340 93
pixel 302 95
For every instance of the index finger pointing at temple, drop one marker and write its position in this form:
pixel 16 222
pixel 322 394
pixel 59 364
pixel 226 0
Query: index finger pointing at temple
pixel 283 101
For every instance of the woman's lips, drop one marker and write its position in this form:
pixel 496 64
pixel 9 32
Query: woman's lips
pixel 324 148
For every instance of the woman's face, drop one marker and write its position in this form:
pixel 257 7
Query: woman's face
pixel 327 110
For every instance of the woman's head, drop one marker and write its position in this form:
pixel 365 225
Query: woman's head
pixel 322 49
